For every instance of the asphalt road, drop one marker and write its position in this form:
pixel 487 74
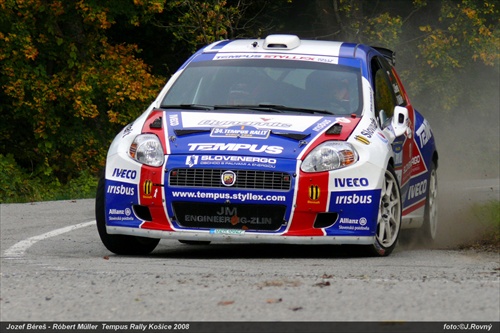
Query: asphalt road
pixel 54 268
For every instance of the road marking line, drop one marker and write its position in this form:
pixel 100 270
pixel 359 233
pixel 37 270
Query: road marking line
pixel 17 250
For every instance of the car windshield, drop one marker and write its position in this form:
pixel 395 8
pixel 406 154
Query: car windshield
pixel 290 86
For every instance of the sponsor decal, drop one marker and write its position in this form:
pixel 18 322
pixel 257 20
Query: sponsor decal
pixel 353 228
pixel 235 147
pixel 232 121
pixel 229 196
pixel 322 125
pixel 409 132
pixel 398 158
pixel 206 218
pixel 418 164
pixel 228 178
pixel 173 120
pixel 399 98
pixel 424 133
pixel 125 211
pixel 363 221
pixel 125 173
pixel 227 231
pixel 147 187
pixel 191 160
pixel 323 59
pixel 247 159
pixel 347 223
pixel 351 182
pixel 289 57
pixel 120 214
pixel 353 199
pixel 407 166
pixel 314 192
pixel 343 120
pixel 417 190
pixel 128 129
pixel 265 122
pixel 397 148
pixel 231 211
pixel 236 56
pixel 234 219
pixel 239 132
pixel 368 132
pixel 347 220
pixel 362 139
pixel 382 137
pixel 231 160
pixel 301 58
pixel 121 189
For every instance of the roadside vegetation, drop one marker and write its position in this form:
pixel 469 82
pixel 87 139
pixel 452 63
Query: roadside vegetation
pixel 487 218
pixel 19 186
pixel 73 73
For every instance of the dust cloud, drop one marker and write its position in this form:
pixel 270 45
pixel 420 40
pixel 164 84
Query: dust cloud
pixel 468 143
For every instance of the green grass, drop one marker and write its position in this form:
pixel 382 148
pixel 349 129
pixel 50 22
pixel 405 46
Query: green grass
pixel 488 215
pixel 33 190
pixel 19 186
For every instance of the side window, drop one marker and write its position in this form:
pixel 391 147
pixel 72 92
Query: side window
pixel 394 83
pixel 385 99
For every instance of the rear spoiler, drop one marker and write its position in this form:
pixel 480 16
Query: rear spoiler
pixel 388 54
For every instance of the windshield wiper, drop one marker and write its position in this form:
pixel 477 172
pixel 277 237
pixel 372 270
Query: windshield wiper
pixel 246 107
pixel 188 107
pixel 294 109
pixel 272 108
pixel 260 107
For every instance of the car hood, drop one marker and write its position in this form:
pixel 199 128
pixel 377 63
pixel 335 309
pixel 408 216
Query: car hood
pixel 251 134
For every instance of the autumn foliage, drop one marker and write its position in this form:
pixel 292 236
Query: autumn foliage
pixel 65 89
pixel 73 73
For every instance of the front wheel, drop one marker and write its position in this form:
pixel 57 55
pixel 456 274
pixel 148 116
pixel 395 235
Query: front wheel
pixel 119 244
pixel 389 216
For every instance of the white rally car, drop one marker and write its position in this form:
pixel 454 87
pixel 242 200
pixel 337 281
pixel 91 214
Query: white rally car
pixel 275 140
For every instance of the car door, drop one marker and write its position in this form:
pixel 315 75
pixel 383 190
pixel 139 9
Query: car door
pixel 387 95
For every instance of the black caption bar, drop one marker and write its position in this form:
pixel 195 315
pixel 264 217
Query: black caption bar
pixel 248 327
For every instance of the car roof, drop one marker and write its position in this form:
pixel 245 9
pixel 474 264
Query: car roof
pixel 351 54
pixel 292 43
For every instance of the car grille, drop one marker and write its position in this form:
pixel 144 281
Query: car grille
pixel 223 216
pixel 266 180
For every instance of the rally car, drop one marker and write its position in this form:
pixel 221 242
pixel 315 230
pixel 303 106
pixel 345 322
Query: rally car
pixel 275 140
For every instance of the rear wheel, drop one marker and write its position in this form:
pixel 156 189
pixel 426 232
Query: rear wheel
pixel 389 216
pixel 119 244
pixel 429 229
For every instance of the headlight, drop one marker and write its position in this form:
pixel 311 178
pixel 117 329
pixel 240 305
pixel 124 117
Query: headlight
pixel 328 156
pixel 147 149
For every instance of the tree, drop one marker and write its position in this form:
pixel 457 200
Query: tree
pixel 65 89
pixel 465 39
pixel 448 41
pixel 198 23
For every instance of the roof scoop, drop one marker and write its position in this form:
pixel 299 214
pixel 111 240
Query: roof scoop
pixel 281 42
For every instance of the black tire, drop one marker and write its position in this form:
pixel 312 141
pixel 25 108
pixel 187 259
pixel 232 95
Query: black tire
pixel 428 232
pixel 389 216
pixel 119 244
pixel 192 242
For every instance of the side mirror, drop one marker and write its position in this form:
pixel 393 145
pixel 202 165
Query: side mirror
pixel 400 121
